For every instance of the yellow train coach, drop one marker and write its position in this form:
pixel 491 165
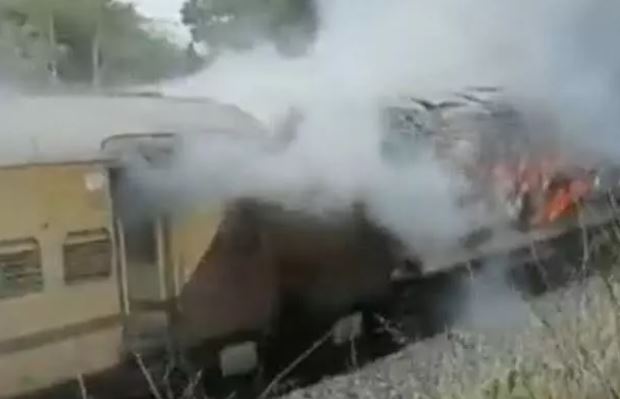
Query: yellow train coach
pixel 79 291
pixel 60 304
pixel 85 285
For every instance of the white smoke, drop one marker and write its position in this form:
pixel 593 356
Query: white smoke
pixel 557 54
pixel 490 302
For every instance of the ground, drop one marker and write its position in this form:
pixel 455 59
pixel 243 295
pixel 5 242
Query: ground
pixel 567 347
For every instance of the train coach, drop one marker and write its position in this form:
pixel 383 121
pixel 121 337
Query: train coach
pixel 90 276
pixel 95 276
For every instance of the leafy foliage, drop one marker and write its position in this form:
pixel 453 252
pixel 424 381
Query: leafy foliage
pixel 82 41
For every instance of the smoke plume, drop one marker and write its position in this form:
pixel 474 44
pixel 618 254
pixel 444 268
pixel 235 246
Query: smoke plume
pixel 556 56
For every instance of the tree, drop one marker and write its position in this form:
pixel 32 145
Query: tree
pixel 16 60
pixel 241 24
pixel 30 30
pixel 90 41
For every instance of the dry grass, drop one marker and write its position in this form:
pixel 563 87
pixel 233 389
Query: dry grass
pixel 570 351
pixel 163 388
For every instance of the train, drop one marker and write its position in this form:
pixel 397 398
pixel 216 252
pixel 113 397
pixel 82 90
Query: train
pixel 86 284
pixel 94 277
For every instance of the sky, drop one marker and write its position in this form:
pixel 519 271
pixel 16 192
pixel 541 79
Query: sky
pixel 166 12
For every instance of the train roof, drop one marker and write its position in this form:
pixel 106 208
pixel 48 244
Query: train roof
pixel 60 128
pixel 467 97
pixel 68 161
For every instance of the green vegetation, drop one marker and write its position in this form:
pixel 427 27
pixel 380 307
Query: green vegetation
pixel 95 42
pixel 242 24
pixel 98 43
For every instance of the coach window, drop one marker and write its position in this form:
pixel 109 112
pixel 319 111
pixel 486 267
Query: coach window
pixel 20 268
pixel 87 256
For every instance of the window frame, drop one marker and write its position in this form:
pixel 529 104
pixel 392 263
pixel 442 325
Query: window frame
pixel 73 276
pixel 18 247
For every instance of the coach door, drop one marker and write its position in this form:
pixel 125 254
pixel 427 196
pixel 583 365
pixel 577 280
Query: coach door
pixel 143 238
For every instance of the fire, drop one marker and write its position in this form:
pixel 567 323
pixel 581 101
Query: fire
pixel 543 187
